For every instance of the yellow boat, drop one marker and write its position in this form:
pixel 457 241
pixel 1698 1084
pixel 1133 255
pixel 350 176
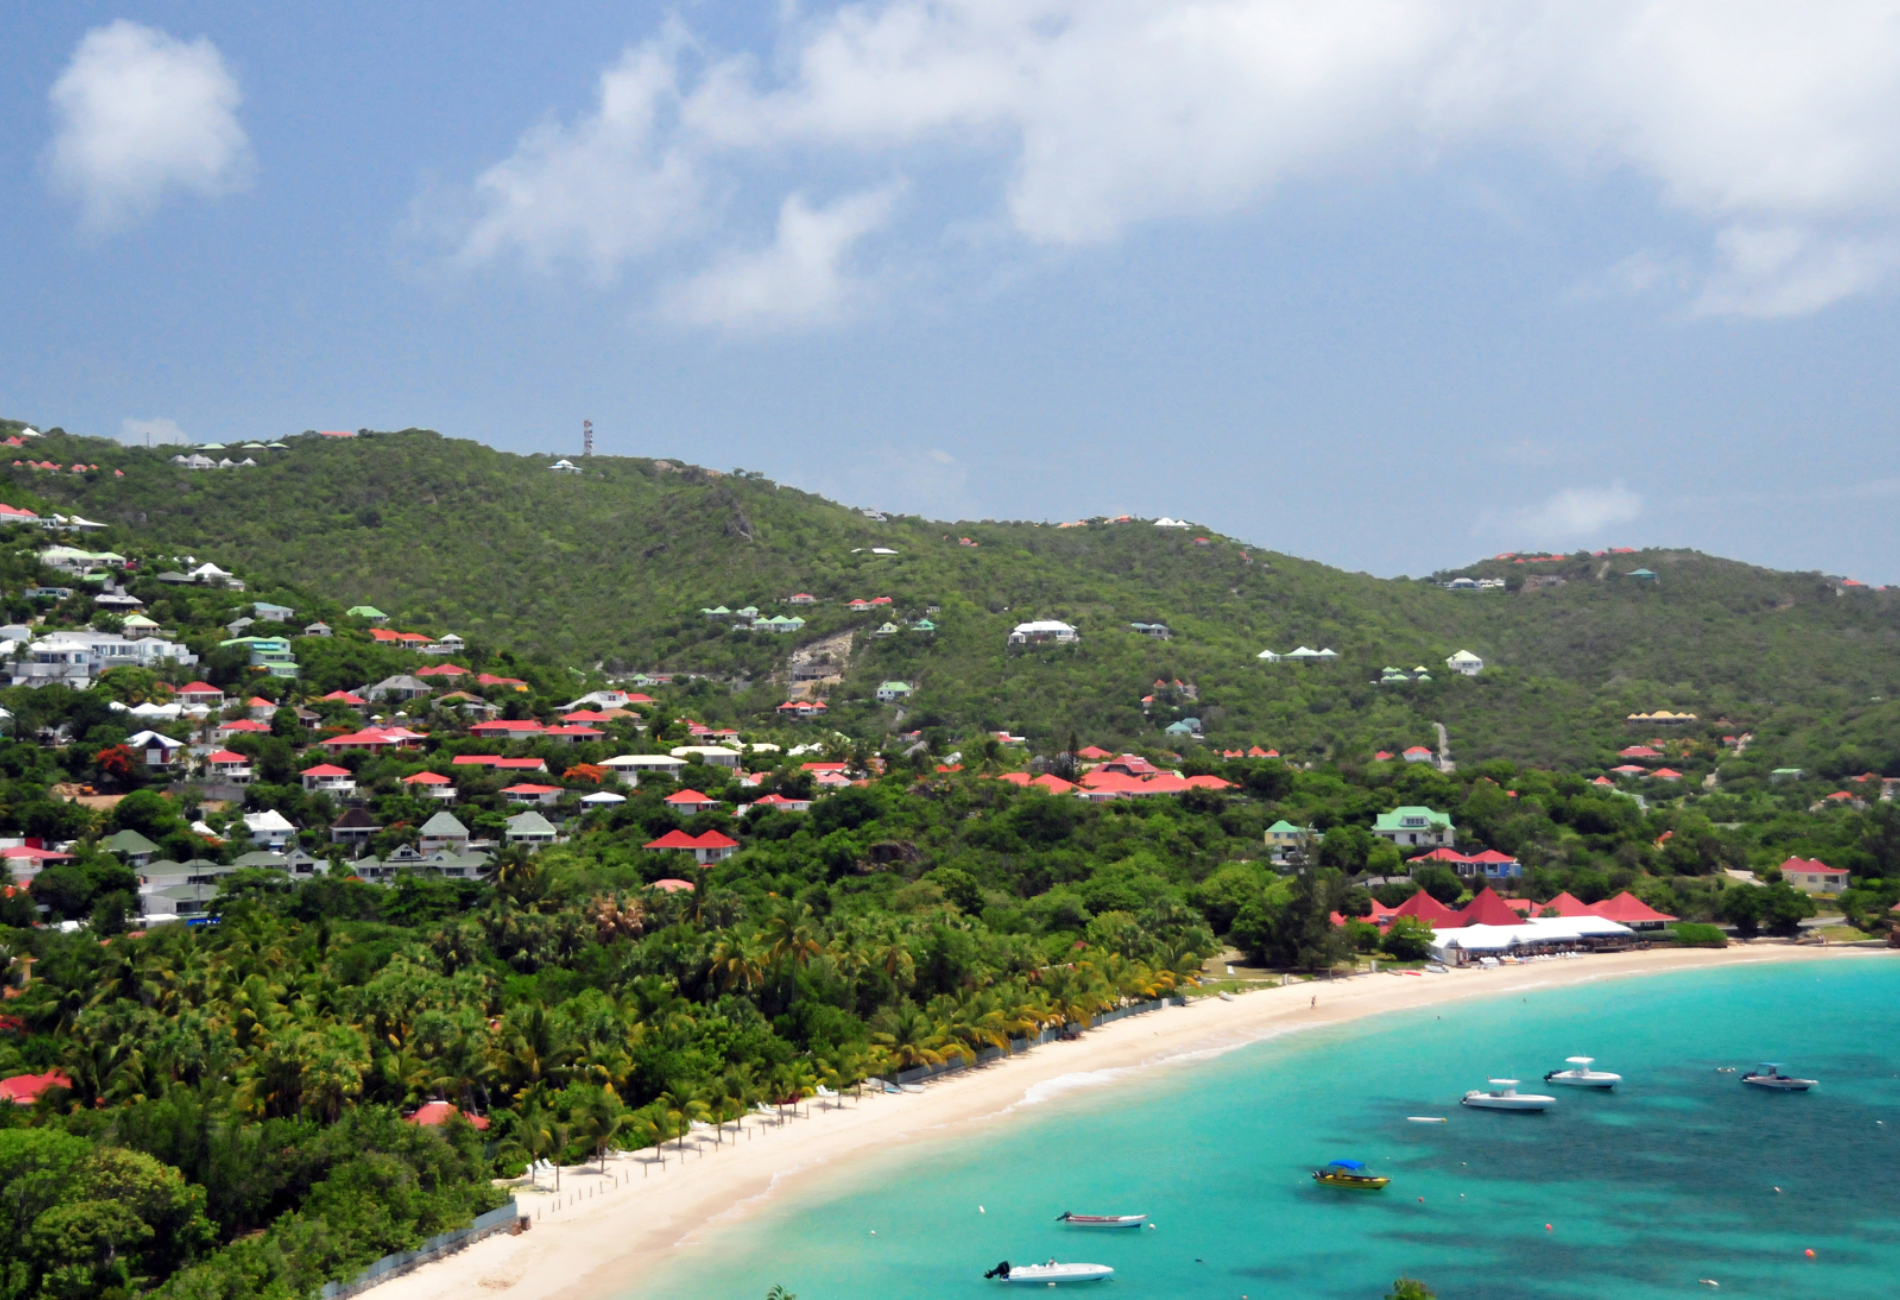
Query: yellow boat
pixel 1349 1173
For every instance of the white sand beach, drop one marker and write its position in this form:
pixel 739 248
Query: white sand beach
pixel 607 1231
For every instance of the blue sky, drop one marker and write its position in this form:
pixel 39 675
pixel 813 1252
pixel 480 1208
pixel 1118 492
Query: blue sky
pixel 1388 283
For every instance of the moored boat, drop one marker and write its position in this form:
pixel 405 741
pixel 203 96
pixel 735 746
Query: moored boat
pixel 1349 1174
pixel 1101 1220
pixel 1505 1096
pixel 1050 1274
pixel 1580 1075
pixel 1768 1075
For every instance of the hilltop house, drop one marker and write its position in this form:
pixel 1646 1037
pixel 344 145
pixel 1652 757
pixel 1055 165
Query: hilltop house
pixel 432 784
pixel 327 778
pixel 75 658
pixel 271 653
pixel 1813 876
pixel 355 826
pixel 1301 655
pixel 153 749
pixel 1465 663
pixel 443 831
pixel 228 766
pixel 1417 754
pixel 269 829
pixel 893 692
pixel 1415 827
pixel 530 829
pixel 1044 632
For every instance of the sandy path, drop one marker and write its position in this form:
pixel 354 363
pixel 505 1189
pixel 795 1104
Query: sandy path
pixel 607 1231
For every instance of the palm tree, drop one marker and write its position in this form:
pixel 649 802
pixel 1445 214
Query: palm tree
pixel 600 1120
pixel 736 963
pixel 913 1039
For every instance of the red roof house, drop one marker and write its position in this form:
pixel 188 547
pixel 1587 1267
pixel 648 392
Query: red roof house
pixel 691 801
pixel 1627 909
pixel 1426 908
pixel 706 849
pixel 434 1113
pixel 25 1089
pixel 1490 909
pixel 1566 904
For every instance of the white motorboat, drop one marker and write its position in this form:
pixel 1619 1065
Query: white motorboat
pixel 1505 1096
pixel 1582 1076
pixel 1049 1274
pixel 1769 1075
pixel 1101 1220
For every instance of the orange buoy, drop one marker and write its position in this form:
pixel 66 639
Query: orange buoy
pixel 1546 1227
pixel 1810 1253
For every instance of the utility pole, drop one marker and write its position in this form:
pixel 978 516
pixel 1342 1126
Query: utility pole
pixel 587 437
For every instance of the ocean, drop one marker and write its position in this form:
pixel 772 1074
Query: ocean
pixel 1683 1174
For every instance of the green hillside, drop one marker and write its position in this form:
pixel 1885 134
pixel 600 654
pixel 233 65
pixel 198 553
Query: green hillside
pixel 612 566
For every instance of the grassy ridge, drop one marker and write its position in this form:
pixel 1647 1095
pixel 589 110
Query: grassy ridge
pixel 611 567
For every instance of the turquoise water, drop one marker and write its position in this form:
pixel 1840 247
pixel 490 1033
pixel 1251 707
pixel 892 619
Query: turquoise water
pixel 1646 1191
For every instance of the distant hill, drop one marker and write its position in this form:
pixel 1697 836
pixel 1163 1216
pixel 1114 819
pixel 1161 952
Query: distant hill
pixel 611 566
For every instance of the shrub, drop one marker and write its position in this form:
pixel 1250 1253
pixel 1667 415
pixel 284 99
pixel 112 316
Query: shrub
pixel 1694 934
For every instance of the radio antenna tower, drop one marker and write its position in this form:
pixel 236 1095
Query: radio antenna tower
pixel 587 437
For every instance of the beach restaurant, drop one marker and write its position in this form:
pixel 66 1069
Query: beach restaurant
pixel 1528 937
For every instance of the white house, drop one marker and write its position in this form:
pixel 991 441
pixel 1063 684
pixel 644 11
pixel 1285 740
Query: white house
pixel 226 765
pixel 892 692
pixel 629 766
pixel 1044 632
pixel 443 831
pixel 1302 655
pixel 153 749
pixel 269 829
pixel 1465 662
pixel 711 755
pixel 329 779
pixel 565 466
pixel 1415 827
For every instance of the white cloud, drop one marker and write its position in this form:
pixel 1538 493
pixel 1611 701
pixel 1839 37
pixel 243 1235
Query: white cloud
pixel 1071 121
pixel 613 187
pixel 799 280
pixel 1791 271
pixel 1574 514
pixel 139 114
pixel 160 431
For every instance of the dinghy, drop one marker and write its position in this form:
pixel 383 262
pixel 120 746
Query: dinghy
pixel 1351 1174
pixel 1050 1274
pixel 1505 1096
pixel 1101 1220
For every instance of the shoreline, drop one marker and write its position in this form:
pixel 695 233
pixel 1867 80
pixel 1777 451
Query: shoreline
pixel 607 1229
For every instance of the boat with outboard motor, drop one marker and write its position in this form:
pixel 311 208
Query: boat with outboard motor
pixel 1505 1096
pixel 1768 1075
pixel 1101 1220
pixel 1050 1274
pixel 1350 1174
pixel 1582 1076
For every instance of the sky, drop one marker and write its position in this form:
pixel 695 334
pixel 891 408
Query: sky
pixel 1392 284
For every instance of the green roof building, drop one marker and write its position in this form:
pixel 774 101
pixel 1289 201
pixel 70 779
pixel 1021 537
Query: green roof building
pixel 1415 827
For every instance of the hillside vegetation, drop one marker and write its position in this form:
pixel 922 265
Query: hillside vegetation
pixel 611 567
